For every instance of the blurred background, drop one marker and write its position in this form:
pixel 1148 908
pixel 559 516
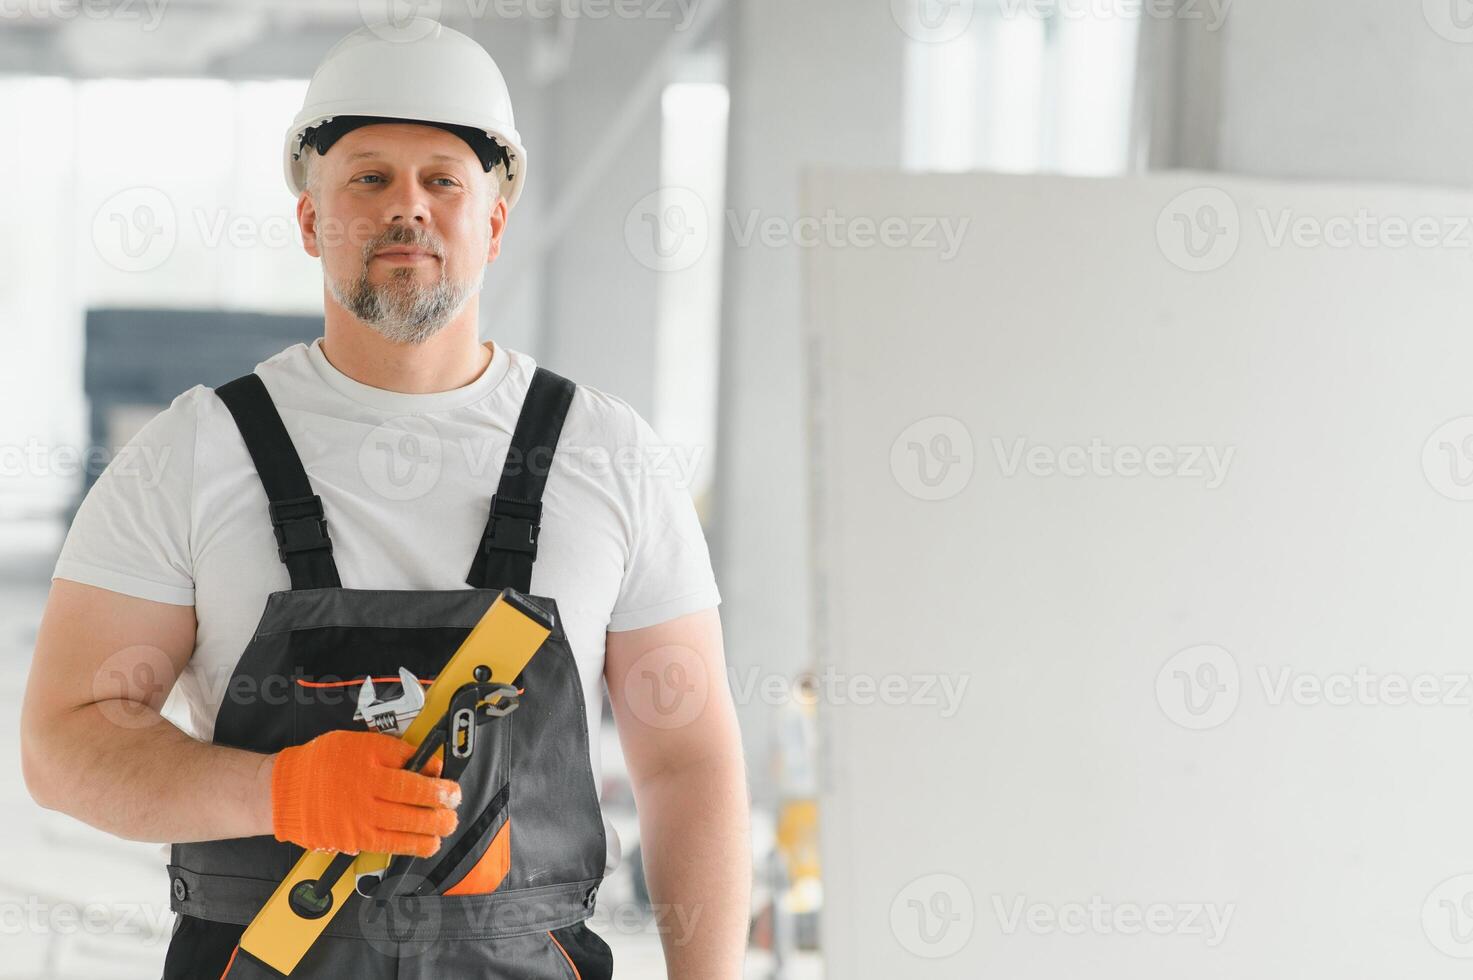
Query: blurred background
pixel 147 244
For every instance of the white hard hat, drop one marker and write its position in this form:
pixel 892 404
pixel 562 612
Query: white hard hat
pixel 419 71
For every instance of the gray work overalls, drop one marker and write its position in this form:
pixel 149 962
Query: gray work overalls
pixel 529 782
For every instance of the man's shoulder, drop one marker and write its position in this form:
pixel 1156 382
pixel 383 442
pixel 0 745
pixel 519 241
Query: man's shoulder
pixel 174 423
pixel 198 405
pixel 603 418
pixel 594 414
pixel 288 368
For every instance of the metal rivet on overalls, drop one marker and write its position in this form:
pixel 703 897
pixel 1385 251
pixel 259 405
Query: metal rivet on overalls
pixel 181 890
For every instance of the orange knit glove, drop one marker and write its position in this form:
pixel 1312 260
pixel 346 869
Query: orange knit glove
pixel 348 791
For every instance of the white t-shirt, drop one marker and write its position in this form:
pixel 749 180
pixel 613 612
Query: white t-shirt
pixel 180 515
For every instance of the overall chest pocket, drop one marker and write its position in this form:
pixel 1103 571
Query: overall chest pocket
pixel 329 666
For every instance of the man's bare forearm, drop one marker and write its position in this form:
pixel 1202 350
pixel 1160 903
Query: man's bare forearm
pixel 695 828
pixel 123 768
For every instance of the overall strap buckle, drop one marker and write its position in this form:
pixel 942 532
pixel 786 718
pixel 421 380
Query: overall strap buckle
pixel 300 525
pixel 513 526
pixel 508 546
pixel 297 519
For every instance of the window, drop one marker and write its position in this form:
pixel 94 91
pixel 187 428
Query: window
pixel 1018 86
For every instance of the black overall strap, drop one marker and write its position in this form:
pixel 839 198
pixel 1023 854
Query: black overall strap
pixel 296 512
pixel 509 544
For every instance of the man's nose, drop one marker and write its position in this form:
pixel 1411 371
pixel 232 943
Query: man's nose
pixel 407 203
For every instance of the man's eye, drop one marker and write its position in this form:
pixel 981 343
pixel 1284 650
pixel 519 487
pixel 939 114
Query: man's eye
pixel 449 180
pixel 368 177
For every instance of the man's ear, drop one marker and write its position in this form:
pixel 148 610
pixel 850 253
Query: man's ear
pixel 498 225
pixel 307 222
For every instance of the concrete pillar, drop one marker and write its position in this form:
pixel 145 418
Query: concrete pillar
pixel 1342 89
pixel 599 302
pixel 817 82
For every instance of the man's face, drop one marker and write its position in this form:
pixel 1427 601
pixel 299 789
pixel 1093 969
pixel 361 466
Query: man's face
pixel 402 217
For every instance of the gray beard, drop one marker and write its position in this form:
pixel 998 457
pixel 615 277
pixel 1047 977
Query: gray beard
pixel 402 309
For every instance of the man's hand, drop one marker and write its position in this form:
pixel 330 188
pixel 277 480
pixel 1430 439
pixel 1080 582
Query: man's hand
pixel 348 791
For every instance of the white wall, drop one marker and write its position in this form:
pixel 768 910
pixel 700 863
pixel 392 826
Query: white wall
pixel 1119 643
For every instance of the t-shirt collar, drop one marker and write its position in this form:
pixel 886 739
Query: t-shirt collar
pixel 405 403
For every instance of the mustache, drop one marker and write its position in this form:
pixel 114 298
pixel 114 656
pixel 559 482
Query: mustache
pixel 402 235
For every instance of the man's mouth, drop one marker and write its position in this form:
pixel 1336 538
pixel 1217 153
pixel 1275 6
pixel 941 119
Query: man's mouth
pixel 405 253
